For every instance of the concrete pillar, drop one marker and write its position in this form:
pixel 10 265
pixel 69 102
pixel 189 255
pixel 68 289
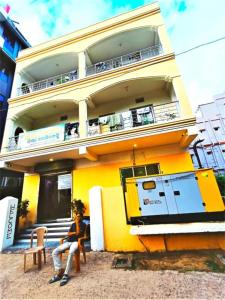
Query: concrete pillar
pixel 81 65
pixel 96 219
pixel 8 133
pixel 184 103
pixel 17 81
pixel 164 40
pixel 83 118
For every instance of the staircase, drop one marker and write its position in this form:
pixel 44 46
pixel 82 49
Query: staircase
pixel 57 229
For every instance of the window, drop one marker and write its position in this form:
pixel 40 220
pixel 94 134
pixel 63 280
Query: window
pixel 136 171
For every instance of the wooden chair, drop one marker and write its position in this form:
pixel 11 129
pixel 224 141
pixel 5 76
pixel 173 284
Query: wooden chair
pixel 41 233
pixel 81 248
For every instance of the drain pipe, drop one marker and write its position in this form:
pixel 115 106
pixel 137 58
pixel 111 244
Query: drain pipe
pixel 196 152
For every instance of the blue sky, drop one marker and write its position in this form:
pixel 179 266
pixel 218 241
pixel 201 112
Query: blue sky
pixel 189 23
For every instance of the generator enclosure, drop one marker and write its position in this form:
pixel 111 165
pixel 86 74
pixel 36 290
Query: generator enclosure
pixel 173 195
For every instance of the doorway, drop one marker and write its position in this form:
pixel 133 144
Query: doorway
pixel 54 197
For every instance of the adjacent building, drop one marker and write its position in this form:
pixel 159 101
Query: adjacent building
pixel 11 42
pixel 101 114
pixel 208 149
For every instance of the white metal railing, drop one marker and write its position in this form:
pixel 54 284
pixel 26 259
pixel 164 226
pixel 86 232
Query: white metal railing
pixel 46 83
pixel 14 144
pixel 125 120
pixel 134 118
pixel 124 60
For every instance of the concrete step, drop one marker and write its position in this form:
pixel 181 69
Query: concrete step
pixel 51 234
pixel 55 224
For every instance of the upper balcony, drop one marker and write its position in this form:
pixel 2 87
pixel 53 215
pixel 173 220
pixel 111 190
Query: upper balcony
pixel 116 51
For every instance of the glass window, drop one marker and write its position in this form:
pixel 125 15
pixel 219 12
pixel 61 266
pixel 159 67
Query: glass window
pixel 152 169
pixel 139 171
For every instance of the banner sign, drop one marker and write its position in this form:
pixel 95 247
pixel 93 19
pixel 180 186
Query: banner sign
pixel 64 182
pixel 41 137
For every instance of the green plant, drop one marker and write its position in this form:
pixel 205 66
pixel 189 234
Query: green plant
pixel 22 209
pixel 221 183
pixel 77 207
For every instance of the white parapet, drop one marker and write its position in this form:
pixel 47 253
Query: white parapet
pixel 8 211
pixel 197 227
pixel 96 220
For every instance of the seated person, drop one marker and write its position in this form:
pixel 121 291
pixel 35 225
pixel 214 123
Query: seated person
pixel 76 230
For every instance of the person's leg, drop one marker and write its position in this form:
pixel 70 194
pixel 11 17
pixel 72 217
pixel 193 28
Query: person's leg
pixel 57 261
pixel 69 263
pixel 56 255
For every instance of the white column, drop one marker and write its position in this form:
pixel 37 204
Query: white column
pixel 83 118
pixel 96 219
pixel 17 81
pixel 81 65
pixel 8 133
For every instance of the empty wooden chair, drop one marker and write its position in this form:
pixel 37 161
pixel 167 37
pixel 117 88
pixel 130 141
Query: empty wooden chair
pixel 36 251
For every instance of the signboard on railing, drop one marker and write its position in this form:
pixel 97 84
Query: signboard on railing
pixel 41 137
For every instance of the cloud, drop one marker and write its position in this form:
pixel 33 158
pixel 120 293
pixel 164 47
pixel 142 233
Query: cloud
pixel 41 20
pixel 190 23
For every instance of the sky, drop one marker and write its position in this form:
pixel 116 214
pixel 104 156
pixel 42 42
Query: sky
pixel 189 23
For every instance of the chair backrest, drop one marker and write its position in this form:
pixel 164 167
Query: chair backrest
pixel 41 233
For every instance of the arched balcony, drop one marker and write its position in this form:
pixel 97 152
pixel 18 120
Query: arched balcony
pixel 47 73
pixel 122 49
pixel 133 103
pixel 45 124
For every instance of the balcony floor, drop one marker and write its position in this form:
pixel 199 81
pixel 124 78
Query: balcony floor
pixel 145 137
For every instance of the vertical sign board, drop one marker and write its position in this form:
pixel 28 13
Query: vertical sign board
pixel 8 211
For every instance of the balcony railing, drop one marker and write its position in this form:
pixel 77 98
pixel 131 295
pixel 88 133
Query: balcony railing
pixel 15 143
pixel 44 84
pixel 102 125
pixel 134 118
pixel 124 60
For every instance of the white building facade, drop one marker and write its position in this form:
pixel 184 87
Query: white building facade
pixel 208 149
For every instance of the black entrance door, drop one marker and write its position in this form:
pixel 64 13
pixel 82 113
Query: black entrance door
pixel 54 199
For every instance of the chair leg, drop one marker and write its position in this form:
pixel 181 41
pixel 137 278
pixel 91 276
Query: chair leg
pixel 77 260
pixel 44 255
pixel 39 260
pixel 24 264
pixel 84 255
pixel 34 259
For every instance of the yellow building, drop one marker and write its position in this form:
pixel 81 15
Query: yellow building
pixel 100 105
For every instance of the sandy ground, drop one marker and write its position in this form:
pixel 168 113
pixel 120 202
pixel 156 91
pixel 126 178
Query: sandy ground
pixel 97 280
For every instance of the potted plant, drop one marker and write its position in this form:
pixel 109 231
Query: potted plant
pixel 22 212
pixel 22 208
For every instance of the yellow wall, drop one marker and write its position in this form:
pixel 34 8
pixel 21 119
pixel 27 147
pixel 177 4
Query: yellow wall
pixel 116 231
pixel 30 192
pixel 108 175
pixel 209 190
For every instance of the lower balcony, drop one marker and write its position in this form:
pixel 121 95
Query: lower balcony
pixel 44 136
pixel 132 118
pixel 126 120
